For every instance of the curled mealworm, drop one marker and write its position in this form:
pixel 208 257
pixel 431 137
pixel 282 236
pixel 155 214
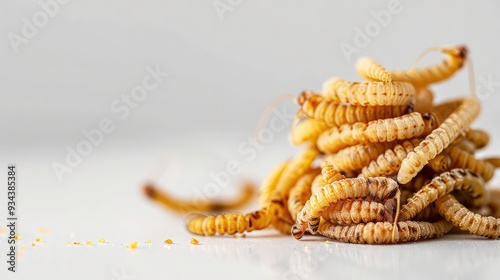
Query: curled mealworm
pixel 462 159
pixel 301 192
pixel 330 173
pixel 269 184
pixel 332 113
pixel 479 137
pixel 317 184
pixel 439 139
pixel 387 130
pixel 456 179
pixel 378 189
pixel 382 232
pixel 355 157
pixel 369 69
pixel 307 130
pixel 440 163
pixel 453 211
pixel 454 60
pixel 388 163
pixel 369 93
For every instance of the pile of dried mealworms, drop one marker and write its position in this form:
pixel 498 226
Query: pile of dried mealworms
pixel 383 164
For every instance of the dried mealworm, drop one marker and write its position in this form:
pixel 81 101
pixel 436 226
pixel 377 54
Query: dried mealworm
pixel 357 156
pixel 462 159
pixel 440 163
pixel 229 223
pixel 423 178
pixel 369 93
pixel 370 70
pixel 330 173
pixel 269 184
pixel 382 232
pixel 378 189
pixel 307 130
pixel 439 139
pixel 455 57
pixel 423 100
pixel 318 183
pixel 184 206
pixel 453 211
pixel 388 163
pixel 456 179
pixel 387 130
pixel 495 161
pixel 317 107
pixel 355 211
pixel 301 192
pixel 479 137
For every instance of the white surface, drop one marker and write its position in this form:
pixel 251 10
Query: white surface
pixel 223 75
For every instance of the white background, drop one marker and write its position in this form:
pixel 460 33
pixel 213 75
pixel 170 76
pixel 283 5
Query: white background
pixel 224 71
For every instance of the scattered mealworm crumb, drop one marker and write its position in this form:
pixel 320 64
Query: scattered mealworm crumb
pixel 194 241
pixel 88 243
pixel 17 236
pixel 23 247
pixel 33 244
pixel 326 242
pixel 69 243
pixel 149 241
pixel 101 240
pixel 76 243
pixel 2 230
pixel 38 239
pixel 168 241
pixel 133 245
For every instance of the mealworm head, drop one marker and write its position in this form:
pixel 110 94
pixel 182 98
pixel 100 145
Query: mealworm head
pixel 304 96
pixel 297 233
pixel 431 121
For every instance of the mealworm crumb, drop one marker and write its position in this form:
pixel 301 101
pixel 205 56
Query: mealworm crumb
pixel 38 239
pixel 133 245
pixel 88 243
pixel 101 240
pixel 168 241
pixel 149 241
pixel 17 236
pixel 33 245
pixel 326 242
pixel 194 241
pixel 76 243
pixel 2 230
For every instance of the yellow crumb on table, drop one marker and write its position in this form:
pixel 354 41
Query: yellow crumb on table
pixel 194 241
pixel 17 236
pixel 101 240
pixel 33 245
pixel 23 248
pixel 168 241
pixel 88 243
pixel 149 241
pixel 76 243
pixel 38 239
pixel 133 245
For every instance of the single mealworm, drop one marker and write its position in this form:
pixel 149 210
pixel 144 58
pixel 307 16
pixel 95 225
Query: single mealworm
pixel 355 211
pixel 453 211
pixel 307 130
pixel 269 184
pixel 378 189
pixel 456 179
pixel 369 93
pixel 441 163
pixel 388 163
pixel 317 107
pixel 301 192
pixel 423 100
pixel 318 183
pixel 357 156
pixel 462 159
pixel 370 70
pixel 479 137
pixel 330 173
pixel 382 232
pixel 387 130
pixel 454 60
pixel 439 139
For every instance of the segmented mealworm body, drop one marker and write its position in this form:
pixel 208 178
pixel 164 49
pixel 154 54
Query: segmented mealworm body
pixel 423 178
pixel 479 137
pixel 269 184
pixel 453 211
pixel 355 157
pixel 301 192
pixel 388 163
pixel 456 179
pixel 388 130
pixel 369 93
pixel 317 107
pixel 462 159
pixel 307 130
pixel 440 163
pixel 369 69
pixel 382 232
pixel 423 100
pixel 355 211
pixel 318 184
pixel 378 189
pixel 455 57
pixel 229 223
pixel 438 140
pixel 330 173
